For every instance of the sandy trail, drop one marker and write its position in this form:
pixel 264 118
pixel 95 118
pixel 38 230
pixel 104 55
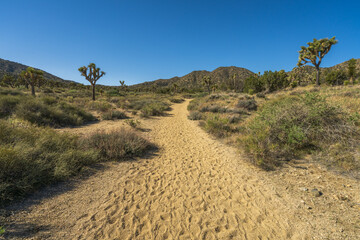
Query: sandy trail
pixel 193 188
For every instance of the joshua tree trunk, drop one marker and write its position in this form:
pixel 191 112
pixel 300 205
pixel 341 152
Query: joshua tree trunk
pixel 317 76
pixel 33 90
pixel 93 90
pixel 208 87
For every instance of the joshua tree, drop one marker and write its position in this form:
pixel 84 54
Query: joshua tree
pixel 214 87
pixel 314 53
pixel 175 87
pixel 9 80
pixel 32 77
pixel 234 79
pixel 352 69
pixel 206 80
pixel 92 74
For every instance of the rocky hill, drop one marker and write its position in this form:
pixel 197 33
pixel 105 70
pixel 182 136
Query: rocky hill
pixel 220 76
pixel 9 67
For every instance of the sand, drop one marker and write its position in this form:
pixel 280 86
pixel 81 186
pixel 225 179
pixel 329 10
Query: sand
pixel 194 187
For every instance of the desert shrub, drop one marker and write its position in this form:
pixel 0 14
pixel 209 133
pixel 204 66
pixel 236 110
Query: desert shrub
pixel 49 100
pixel 253 84
pixel 62 114
pixel 274 80
pixel 218 126
pixel 346 82
pixel 99 106
pixel 32 157
pixel 294 84
pixel 336 77
pixel 8 104
pixel 195 115
pixel 247 103
pixel 117 145
pixel 13 92
pixel 291 125
pixel 234 119
pixel 237 111
pixel 261 95
pixel 154 109
pixel 213 108
pixel 176 100
pixel 112 115
pixel 340 156
pixel 133 123
pixel 47 90
pixel 194 104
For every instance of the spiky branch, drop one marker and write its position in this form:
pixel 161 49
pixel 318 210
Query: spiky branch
pixel 206 80
pixel 314 53
pixel 32 77
pixel 92 74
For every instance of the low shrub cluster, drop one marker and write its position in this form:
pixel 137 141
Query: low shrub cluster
pixel 290 125
pixel 32 157
pixel 117 144
pixel 195 115
pixel 176 100
pixel 149 107
pixel 112 115
pixel 218 126
pixel 247 103
pixel 55 115
pixel 46 111
pixel 99 106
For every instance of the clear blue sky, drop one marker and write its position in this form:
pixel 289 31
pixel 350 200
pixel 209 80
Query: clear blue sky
pixel 139 41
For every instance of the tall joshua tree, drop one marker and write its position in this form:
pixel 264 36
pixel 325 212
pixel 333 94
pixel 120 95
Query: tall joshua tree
pixel 314 53
pixel 32 77
pixel 92 74
pixel 206 80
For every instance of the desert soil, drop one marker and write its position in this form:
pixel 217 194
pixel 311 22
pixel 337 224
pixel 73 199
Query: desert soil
pixel 193 187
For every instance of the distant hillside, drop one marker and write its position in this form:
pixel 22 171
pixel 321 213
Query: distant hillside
pixel 221 76
pixel 9 67
pixel 308 72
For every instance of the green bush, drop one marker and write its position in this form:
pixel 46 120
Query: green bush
pixel 247 103
pixel 62 114
pixel 33 157
pixel 195 115
pixel 218 126
pixel 133 123
pixel 194 104
pixel 99 106
pixel 288 126
pixel 117 145
pixel 176 100
pixel 154 109
pixel 336 77
pixel 254 84
pixel 8 104
pixel 274 80
pixel 112 115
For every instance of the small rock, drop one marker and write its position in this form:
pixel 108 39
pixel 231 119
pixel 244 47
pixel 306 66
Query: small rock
pixel 304 189
pixel 316 193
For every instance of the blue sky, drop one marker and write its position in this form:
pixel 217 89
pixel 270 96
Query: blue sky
pixel 139 41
